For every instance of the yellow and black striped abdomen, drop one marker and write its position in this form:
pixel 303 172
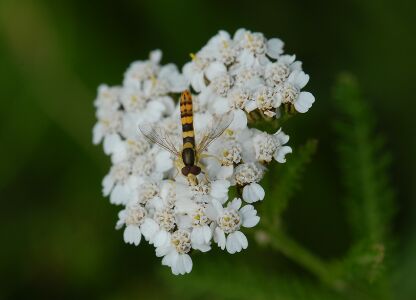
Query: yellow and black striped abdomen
pixel 188 134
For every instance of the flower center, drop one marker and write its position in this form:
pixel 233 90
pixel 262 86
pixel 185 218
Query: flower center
pixel 181 240
pixel 265 146
pixel 229 221
pixel 247 173
pixel 135 215
pixel 289 94
pixel 166 219
pixel 199 218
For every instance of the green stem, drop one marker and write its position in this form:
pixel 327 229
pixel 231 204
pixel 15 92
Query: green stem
pixel 282 242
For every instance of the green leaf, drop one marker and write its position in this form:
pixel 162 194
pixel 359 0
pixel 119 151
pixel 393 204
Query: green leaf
pixel 364 164
pixel 369 197
pixel 284 180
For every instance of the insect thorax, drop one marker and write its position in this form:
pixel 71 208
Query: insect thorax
pixel 188 156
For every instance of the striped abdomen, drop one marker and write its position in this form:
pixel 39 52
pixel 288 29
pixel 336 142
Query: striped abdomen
pixel 188 135
pixel 187 120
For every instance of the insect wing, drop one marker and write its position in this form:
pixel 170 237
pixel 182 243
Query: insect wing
pixel 220 124
pixel 159 136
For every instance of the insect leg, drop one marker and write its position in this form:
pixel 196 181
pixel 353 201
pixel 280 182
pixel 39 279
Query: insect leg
pixel 206 155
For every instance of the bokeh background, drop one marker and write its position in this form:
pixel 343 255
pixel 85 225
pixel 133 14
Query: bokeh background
pixel 58 237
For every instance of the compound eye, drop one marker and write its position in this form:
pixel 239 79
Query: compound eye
pixel 195 170
pixel 185 171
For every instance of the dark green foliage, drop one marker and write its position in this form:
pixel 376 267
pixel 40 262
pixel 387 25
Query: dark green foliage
pixel 220 279
pixel 283 180
pixel 364 164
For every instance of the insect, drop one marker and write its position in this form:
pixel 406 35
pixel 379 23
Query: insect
pixel 188 159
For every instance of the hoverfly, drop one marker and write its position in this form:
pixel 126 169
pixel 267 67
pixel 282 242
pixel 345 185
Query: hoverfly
pixel 188 159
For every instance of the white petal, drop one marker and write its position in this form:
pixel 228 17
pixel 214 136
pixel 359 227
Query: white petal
pixel 253 193
pixel 149 229
pixel 179 83
pixel 178 266
pixel 235 204
pixel 121 194
pixel 281 137
pixel 119 153
pixel 232 245
pixel 108 184
pixel 207 233
pixel 201 247
pixel 246 58
pixel 110 142
pixel 197 235
pixel 304 102
pixel 170 258
pixel 185 205
pixel 274 47
pixel 239 120
pixel 187 262
pixel 217 206
pixel 156 56
pixel 214 70
pixel 239 34
pixel 219 189
pixel 242 239
pixel 219 237
pixel 251 222
pixel 164 250
pixel 225 172
pixel 201 237
pixel 97 133
pixel 221 105
pixel 162 238
pixel 298 78
pixel 182 264
pixel 249 216
pixel 163 161
pixel 153 112
pixel 132 235
pixel 198 82
pixel 280 154
pixel 250 106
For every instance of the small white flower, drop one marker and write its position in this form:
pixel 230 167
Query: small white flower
pixel 174 251
pixel 267 100
pixel 222 48
pixel 222 84
pixel 109 122
pixel 147 191
pixel 278 72
pixel 227 234
pixel 195 71
pixel 268 146
pixel 107 98
pixel 290 92
pixel 281 139
pixel 133 217
pixel 255 42
pixel 247 175
pixel 201 232
pixel 140 71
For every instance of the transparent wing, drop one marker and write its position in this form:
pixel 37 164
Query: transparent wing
pixel 159 136
pixel 219 125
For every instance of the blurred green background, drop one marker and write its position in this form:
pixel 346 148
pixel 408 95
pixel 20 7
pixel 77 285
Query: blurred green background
pixel 58 237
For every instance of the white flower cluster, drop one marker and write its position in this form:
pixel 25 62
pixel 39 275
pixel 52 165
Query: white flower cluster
pixel 244 75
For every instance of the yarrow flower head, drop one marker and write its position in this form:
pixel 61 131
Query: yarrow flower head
pixel 175 193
